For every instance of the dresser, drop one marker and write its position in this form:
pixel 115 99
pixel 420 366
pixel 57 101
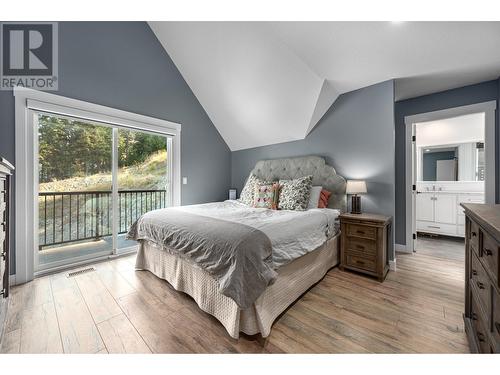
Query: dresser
pixel 364 243
pixel 482 277
pixel 6 170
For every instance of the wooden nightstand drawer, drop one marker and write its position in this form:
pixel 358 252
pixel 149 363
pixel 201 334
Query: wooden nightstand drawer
pixel 361 231
pixel 368 248
pixel 361 262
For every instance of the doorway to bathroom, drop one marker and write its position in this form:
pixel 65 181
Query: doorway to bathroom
pixel 451 161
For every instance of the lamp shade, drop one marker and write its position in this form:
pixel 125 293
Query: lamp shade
pixel 355 187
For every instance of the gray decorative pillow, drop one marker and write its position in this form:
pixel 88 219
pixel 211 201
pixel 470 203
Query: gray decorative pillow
pixel 248 193
pixel 294 194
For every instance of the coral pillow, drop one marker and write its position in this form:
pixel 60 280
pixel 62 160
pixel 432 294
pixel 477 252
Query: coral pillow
pixel 323 198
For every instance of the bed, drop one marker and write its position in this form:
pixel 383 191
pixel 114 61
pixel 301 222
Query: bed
pixel 304 246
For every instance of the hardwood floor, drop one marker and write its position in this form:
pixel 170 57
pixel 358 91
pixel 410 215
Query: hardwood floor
pixel 441 247
pixel 115 309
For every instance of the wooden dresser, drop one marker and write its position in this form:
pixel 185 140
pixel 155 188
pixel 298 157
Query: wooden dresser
pixel 6 170
pixel 482 277
pixel 364 242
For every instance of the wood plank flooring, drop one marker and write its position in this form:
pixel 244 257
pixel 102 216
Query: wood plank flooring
pixel 119 310
pixel 441 246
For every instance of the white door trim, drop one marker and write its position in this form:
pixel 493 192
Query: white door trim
pixel 489 109
pixel 27 100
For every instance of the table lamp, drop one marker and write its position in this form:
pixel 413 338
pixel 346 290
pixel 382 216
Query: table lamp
pixel 355 187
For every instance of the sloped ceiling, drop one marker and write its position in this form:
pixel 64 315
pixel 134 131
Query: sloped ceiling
pixel 269 82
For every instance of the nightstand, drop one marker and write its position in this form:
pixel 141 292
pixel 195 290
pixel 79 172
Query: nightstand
pixel 364 242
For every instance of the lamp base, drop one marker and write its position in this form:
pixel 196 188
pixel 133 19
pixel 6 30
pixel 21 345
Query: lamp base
pixel 355 204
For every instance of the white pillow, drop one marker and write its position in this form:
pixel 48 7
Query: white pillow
pixel 314 197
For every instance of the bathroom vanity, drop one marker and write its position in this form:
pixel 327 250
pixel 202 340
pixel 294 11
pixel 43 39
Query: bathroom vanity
pixel 439 209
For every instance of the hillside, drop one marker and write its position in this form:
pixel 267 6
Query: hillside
pixel 150 174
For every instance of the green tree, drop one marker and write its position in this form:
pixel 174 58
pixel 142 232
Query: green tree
pixel 72 148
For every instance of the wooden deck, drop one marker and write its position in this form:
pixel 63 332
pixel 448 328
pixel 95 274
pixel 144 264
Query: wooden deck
pixel 418 309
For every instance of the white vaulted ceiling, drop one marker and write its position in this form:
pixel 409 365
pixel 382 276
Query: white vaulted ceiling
pixel 269 82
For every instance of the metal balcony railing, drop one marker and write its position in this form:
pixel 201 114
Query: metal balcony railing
pixel 66 217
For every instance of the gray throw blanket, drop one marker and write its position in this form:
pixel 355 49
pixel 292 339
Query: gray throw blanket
pixel 238 256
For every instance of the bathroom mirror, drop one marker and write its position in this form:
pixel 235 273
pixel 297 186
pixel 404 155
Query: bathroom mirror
pixel 457 162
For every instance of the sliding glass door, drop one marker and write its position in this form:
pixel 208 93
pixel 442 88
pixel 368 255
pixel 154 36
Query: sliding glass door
pixel 94 180
pixel 142 178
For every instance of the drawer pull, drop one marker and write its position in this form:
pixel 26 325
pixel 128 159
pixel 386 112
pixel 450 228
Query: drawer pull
pixel 474 316
pixel 480 285
pixel 360 247
pixel 474 273
pixel 497 326
pixel 480 336
pixel 474 234
pixel 433 226
pixel 360 262
pixel 360 232
pixel 488 252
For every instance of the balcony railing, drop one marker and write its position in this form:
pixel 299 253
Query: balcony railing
pixel 66 217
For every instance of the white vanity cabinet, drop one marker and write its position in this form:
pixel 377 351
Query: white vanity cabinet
pixel 445 208
pixel 425 207
pixel 440 212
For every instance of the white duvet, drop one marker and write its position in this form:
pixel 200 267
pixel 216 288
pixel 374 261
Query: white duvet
pixel 292 233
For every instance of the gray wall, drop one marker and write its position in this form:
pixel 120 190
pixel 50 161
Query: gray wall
pixel 356 136
pixel 122 65
pixel 481 92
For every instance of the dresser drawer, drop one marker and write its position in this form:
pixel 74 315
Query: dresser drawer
pixel 480 284
pixel 367 248
pixel 480 324
pixel 474 236
pixel 495 320
pixel 361 231
pixel 432 227
pixel 489 254
pixel 361 262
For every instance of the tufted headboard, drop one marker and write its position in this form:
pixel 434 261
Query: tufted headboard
pixel 323 174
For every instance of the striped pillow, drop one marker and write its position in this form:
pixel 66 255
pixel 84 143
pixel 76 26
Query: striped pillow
pixel 323 198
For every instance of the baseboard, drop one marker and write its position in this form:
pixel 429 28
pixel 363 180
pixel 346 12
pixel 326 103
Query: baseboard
pixel 12 280
pixel 392 265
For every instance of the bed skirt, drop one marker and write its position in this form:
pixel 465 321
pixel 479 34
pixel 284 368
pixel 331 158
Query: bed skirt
pixel 293 280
